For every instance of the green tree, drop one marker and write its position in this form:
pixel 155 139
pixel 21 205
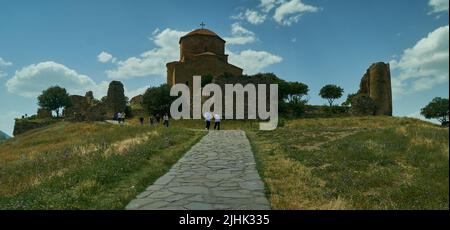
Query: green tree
pixel 438 109
pixel 53 99
pixel 296 90
pixel 206 79
pixel 157 100
pixel 331 93
pixel 348 102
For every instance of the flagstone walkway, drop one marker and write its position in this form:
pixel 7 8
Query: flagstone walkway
pixel 218 173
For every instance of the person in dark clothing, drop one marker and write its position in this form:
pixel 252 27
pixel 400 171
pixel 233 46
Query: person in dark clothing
pixel 157 118
pixel 152 121
pixel 208 117
pixel 141 120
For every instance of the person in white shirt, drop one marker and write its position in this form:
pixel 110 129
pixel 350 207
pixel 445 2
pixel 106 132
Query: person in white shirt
pixel 166 120
pixel 216 121
pixel 208 117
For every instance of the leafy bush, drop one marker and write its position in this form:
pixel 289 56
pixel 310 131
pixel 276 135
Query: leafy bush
pixel 438 109
pixel 362 105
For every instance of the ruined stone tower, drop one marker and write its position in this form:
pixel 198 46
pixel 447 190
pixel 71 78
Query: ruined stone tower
pixel 202 52
pixel 376 84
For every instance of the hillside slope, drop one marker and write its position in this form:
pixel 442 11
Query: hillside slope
pixel 355 163
pixel 86 165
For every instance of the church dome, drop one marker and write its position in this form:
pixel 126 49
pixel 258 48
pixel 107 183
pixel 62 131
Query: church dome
pixel 204 32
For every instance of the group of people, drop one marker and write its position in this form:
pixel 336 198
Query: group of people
pixel 208 117
pixel 156 120
pixel 120 117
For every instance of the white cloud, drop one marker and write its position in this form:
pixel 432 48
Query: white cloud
pixel 3 62
pixel 253 61
pixel 423 66
pixel 31 80
pixel 268 5
pixel 139 91
pixel 105 57
pixel 240 35
pixel 152 62
pixel 251 16
pixel 290 12
pixel 438 5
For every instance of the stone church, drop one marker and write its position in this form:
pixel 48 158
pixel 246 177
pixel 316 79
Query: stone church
pixel 202 52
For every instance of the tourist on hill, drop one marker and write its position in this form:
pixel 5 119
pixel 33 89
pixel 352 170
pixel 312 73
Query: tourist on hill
pixel 166 120
pixel 216 121
pixel 141 120
pixel 122 118
pixel 208 117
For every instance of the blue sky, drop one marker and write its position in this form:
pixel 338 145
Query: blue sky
pixel 82 45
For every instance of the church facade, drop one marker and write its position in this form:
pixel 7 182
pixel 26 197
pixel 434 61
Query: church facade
pixel 202 52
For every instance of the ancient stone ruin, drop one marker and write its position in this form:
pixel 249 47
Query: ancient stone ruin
pixel 115 99
pixel 376 84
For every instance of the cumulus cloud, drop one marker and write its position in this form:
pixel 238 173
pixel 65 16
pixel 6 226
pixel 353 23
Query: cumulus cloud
pixel 438 5
pixel 31 80
pixel 240 35
pixel 423 66
pixel 135 92
pixel 251 16
pixel 105 57
pixel 289 12
pixel 3 62
pixel 152 62
pixel 253 61
pixel 268 5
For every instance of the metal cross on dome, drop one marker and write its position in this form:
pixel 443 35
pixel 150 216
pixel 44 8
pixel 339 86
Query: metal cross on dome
pixel 202 25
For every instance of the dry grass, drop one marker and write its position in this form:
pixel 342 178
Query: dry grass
pixel 354 163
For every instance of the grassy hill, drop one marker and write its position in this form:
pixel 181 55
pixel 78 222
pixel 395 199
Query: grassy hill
pixel 86 165
pixel 355 163
pixel 333 163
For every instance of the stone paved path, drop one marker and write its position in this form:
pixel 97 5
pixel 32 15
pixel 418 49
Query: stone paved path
pixel 218 172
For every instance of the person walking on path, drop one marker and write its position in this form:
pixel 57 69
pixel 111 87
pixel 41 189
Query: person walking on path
pixel 141 120
pixel 208 117
pixel 166 120
pixel 216 121
pixel 122 117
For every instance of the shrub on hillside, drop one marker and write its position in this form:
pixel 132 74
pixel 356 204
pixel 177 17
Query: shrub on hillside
pixel 362 105
pixel 54 99
pixel 157 100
